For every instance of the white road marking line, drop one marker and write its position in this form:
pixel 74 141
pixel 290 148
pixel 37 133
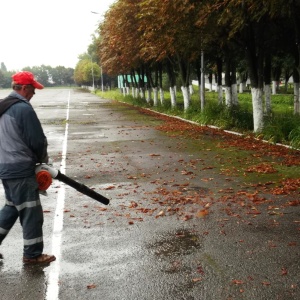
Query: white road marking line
pixel 53 280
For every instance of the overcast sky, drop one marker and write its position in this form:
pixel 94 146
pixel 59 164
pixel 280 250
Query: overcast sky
pixel 55 32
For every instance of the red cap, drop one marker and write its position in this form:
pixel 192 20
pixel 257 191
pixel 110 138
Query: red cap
pixel 26 77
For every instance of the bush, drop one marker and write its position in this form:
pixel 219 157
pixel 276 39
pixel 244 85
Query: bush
pixel 278 128
pixel 294 137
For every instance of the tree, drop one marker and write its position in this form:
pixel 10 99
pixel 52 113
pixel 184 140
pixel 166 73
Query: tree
pixel 86 71
pixel 41 74
pixel 170 34
pixel 3 67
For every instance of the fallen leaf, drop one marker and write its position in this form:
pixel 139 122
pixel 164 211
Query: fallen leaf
pixel 202 213
pixel 235 281
pixel 109 187
pixel 284 271
pixel 200 270
pixel 160 214
pixel 91 286
pixel 133 204
pixel 187 217
pixel 102 208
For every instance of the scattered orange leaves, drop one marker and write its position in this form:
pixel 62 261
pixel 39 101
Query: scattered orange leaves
pixel 264 168
pixel 287 186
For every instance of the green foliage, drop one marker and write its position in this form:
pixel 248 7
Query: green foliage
pixel 86 72
pixel 278 127
pixel 46 75
pixel 229 118
pixel 294 137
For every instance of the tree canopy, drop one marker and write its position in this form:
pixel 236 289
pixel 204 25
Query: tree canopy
pixel 47 75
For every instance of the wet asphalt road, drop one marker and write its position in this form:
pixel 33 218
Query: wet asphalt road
pixel 164 234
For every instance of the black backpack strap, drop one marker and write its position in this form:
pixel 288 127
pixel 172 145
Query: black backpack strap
pixel 6 103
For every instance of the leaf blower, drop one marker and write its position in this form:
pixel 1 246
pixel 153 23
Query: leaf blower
pixel 44 174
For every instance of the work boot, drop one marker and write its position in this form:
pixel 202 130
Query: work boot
pixel 41 259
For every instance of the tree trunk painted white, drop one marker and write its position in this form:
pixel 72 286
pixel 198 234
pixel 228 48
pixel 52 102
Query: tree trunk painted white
pixel 148 98
pixel 191 89
pixel 127 90
pixel 296 98
pixel 202 89
pixel 186 97
pixel 132 92
pixel 241 88
pixel 124 91
pixel 143 94
pixel 199 90
pixel 155 96
pixel 234 94
pixel 257 104
pixel 220 94
pixel 268 99
pixel 136 93
pixel 161 96
pixel 210 87
pixel 274 85
pixel 228 96
pixel 215 87
pixel 173 96
pixel 202 93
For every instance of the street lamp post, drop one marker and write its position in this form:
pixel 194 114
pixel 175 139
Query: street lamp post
pixel 101 79
pixel 93 76
pixel 93 88
pixel 102 87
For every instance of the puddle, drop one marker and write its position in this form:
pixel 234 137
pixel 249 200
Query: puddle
pixel 182 242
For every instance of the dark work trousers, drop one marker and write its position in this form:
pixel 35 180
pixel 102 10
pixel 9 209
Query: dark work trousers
pixel 23 201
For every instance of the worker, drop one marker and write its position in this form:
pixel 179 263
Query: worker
pixel 22 146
